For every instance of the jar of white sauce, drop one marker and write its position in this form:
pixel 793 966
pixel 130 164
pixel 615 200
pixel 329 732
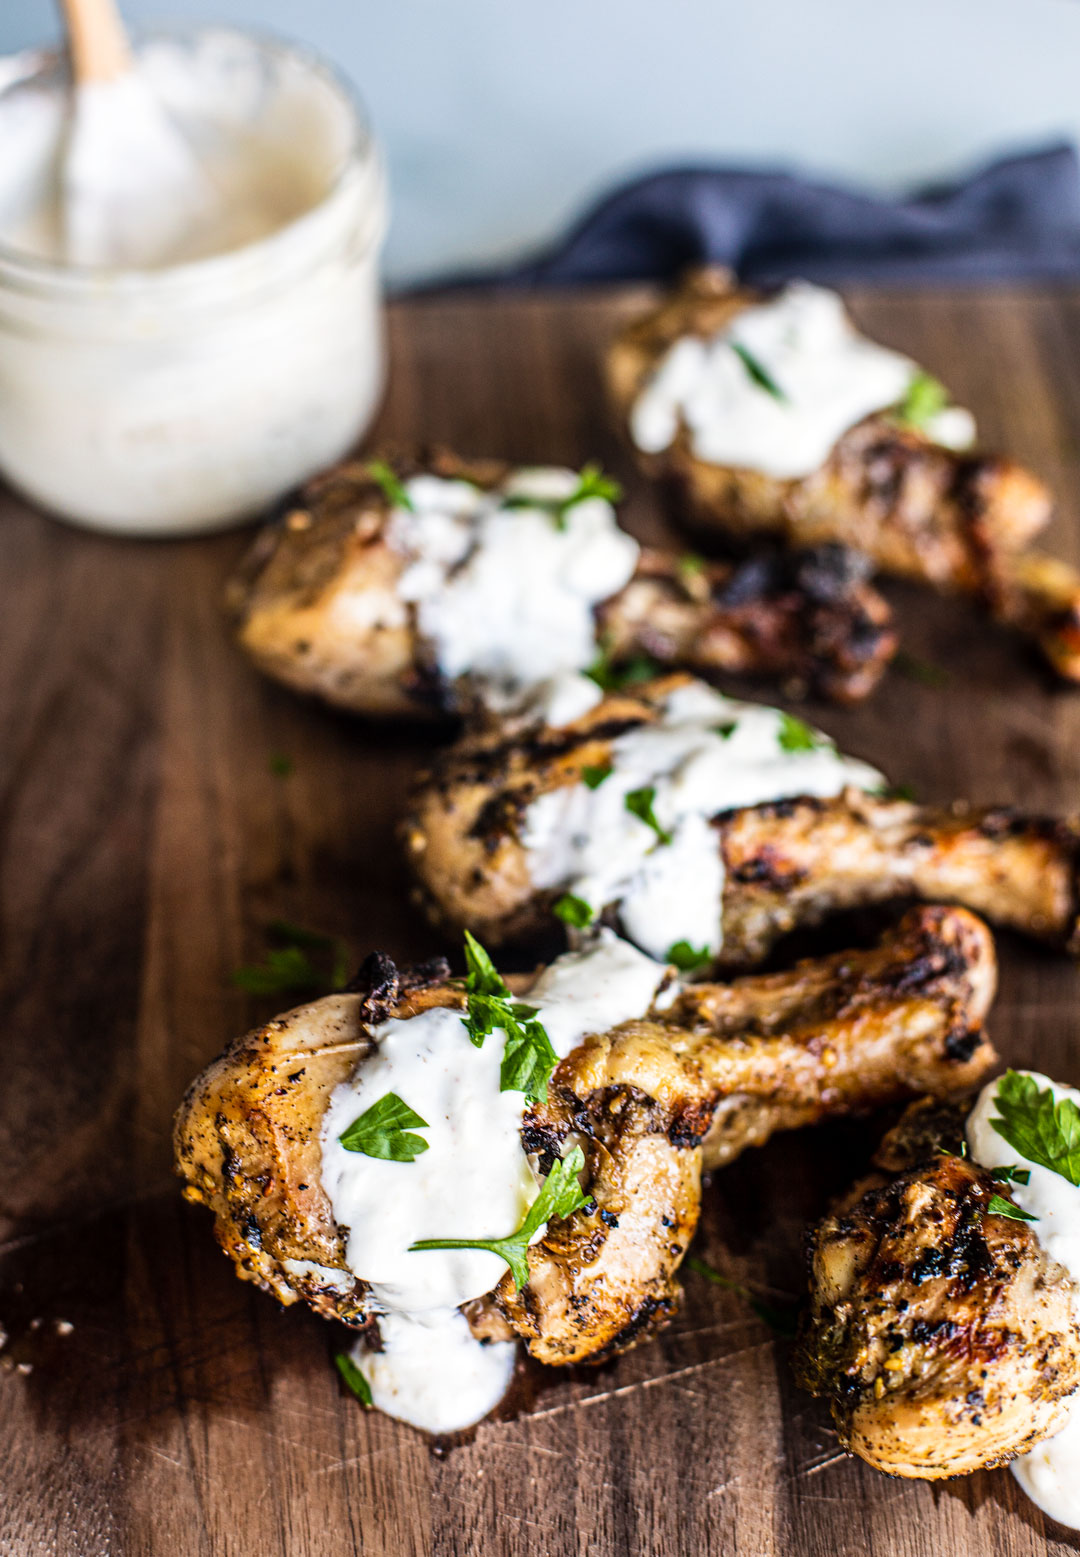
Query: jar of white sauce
pixel 186 397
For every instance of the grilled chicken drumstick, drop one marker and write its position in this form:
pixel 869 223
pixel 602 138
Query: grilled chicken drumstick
pixel 348 596
pixel 944 1336
pixel 483 857
pixel 956 519
pixel 651 1102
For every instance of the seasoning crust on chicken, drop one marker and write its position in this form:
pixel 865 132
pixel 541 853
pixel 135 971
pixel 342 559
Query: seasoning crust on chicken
pixel 957 520
pixel 787 863
pixel 944 1337
pixel 317 604
pixel 652 1102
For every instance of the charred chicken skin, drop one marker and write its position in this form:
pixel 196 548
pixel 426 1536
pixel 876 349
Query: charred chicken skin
pixel 944 1337
pixel 652 1102
pixel 787 863
pixel 317 605
pixel 957 520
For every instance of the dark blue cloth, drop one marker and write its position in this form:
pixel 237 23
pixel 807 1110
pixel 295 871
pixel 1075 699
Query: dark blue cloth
pixel 1017 219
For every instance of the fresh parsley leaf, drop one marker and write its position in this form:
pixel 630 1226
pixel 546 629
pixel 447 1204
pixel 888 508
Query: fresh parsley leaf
pixel 997 1206
pixel 611 675
pixel 483 978
pixel 574 911
pixel 757 371
pixel 393 488
pixel 901 792
pixel 528 1057
pixel 592 778
pixel 1042 1130
pixel 483 1014
pixel 291 968
pixel 639 802
pixel 353 1377
pixel 591 483
pixel 381 1131
pixel 560 1196
pixel 1013 1175
pixel 794 735
pixel 726 730
pixel 687 957
pixel 922 671
pixel 924 399
pixel 783 1321
pixel 691 565
pixel 280 765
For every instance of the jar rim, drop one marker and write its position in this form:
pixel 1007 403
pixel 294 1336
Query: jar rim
pixel 30 272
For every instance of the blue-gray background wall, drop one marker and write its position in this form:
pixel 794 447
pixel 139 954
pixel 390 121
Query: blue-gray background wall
pixel 501 117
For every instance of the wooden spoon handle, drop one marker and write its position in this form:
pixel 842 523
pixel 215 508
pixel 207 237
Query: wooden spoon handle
pixel 96 38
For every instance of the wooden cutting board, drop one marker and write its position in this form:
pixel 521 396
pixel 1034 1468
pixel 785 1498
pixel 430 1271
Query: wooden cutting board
pixel 148 839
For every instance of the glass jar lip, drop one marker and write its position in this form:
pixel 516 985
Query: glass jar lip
pixel 21 269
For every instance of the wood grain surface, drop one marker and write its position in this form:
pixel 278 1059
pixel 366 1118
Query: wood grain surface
pixel 147 842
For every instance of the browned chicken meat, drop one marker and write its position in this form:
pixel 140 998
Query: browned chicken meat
pixel 954 519
pixel 943 1335
pixel 335 598
pixel 651 1102
pixel 476 853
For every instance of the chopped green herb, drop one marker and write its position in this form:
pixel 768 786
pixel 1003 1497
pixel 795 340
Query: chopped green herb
pixel 591 483
pixel 1045 1131
pixel 924 399
pixel 639 802
pixel 592 778
pixel 280 765
pixel 291 968
pixel 574 911
pixel 611 675
pixel 783 1321
pixel 381 1131
pixel 392 487
pixel 901 792
pixel 482 977
pixel 353 1377
pixel 726 730
pixel 528 1058
pixel 1013 1175
pixel 757 371
pixel 922 671
pixel 560 1196
pixel 794 735
pixel 687 957
pixel 691 565
pixel 997 1206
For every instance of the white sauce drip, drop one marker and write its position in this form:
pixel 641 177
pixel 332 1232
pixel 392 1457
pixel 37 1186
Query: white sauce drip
pixel 1049 1473
pixel 586 842
pixel 504 594
pixel 474 1181
pixel 829 375
pixel 176 160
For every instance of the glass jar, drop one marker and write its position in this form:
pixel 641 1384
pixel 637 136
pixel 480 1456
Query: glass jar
pixel 184 399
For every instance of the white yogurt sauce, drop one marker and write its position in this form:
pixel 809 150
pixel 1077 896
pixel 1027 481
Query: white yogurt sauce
pixel 506 594
pixel 587 842
pixel 175 365
pixel 828 375
pixel 474 1181
pixel 1050 1473
pixel 168 163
